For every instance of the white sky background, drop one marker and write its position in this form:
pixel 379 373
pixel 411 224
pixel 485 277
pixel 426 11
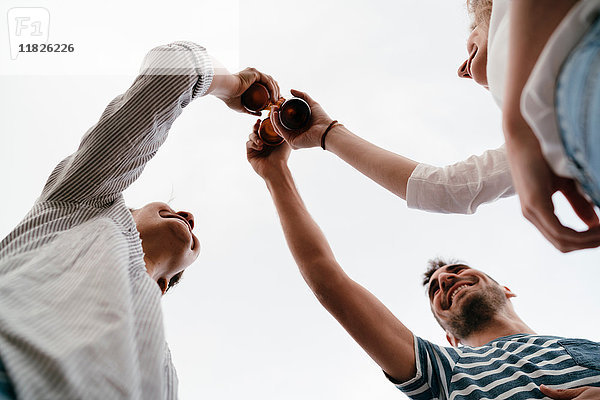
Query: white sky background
pixel 243 324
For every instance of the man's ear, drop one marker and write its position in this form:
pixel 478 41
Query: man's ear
pixel 508 293
pixel 454 342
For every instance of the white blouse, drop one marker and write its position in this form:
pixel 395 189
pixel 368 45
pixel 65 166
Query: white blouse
pixel 461 187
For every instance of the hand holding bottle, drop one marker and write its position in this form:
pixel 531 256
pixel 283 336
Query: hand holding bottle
pixel 293 114
pixel 267 161
pixel 310 135
pixel 230 87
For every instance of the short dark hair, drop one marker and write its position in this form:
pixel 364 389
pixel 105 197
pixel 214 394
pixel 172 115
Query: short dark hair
pixel 434 264
pixel 174 280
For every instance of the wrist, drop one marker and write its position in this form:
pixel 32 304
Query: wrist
pixel 337 132
pixel 330 126
pixel 276 174
pixel 223 83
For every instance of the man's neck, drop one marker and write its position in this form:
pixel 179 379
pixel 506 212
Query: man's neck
pixel 502 325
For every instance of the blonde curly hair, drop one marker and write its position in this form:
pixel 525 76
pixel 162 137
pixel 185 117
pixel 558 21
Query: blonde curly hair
pixel 480 12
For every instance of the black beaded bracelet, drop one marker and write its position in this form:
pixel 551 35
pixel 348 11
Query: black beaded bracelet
pixel 331 125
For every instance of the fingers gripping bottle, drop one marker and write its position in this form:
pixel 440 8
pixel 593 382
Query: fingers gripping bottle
pixel 294 113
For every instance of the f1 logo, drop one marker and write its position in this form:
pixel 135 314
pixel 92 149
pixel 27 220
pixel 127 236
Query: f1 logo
pixel 27 25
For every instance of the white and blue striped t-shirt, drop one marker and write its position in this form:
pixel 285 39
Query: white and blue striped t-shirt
pixel 510 367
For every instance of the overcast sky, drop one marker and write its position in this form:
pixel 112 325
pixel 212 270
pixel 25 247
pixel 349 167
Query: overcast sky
pixel 243 324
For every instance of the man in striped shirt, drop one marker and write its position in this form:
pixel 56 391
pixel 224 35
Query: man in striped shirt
pixel 82 276
pixel 494 354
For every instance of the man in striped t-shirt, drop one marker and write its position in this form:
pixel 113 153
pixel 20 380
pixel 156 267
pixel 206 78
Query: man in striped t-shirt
pixel 494 354
pixel 81 275
pixel 501 357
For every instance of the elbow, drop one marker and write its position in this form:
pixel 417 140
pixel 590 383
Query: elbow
pixel 326 279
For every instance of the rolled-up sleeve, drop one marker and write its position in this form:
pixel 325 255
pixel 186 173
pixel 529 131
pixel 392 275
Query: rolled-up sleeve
pixel 462 187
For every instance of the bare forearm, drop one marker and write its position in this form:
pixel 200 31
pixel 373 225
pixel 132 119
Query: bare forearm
pixel 388 169
pixel 222 80
pixel 366 319
pixel 307 243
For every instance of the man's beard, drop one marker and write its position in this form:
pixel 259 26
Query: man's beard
pixel 477 311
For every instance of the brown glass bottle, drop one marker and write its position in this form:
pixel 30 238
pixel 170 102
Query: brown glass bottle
pixel 256 98
pixel 267 133
pixel 294 113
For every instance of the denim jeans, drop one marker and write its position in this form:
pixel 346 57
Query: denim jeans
pixel 578 110
pixel 6 389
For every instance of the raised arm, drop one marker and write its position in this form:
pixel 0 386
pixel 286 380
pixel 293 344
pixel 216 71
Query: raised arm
pixel 388 169
pixel 457 188
pixel 114 152
pixel 367 320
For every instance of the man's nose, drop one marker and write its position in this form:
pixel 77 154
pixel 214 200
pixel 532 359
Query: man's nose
pixel 446 280
pixel 463 71
pixel 188 216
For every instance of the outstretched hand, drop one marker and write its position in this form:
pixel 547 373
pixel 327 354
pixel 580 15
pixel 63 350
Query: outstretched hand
pixel 582 393
pixel 309 136
pixel 535 183
pixel 230 87
pixel 266 160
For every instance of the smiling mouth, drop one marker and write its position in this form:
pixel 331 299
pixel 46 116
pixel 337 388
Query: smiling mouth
pixel 458 289
pixel 455 292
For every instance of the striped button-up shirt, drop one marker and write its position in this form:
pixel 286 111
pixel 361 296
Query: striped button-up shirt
pixel 80 318
pixel 510 367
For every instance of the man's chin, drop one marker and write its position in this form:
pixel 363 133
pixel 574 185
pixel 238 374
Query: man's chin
pixel 476 311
